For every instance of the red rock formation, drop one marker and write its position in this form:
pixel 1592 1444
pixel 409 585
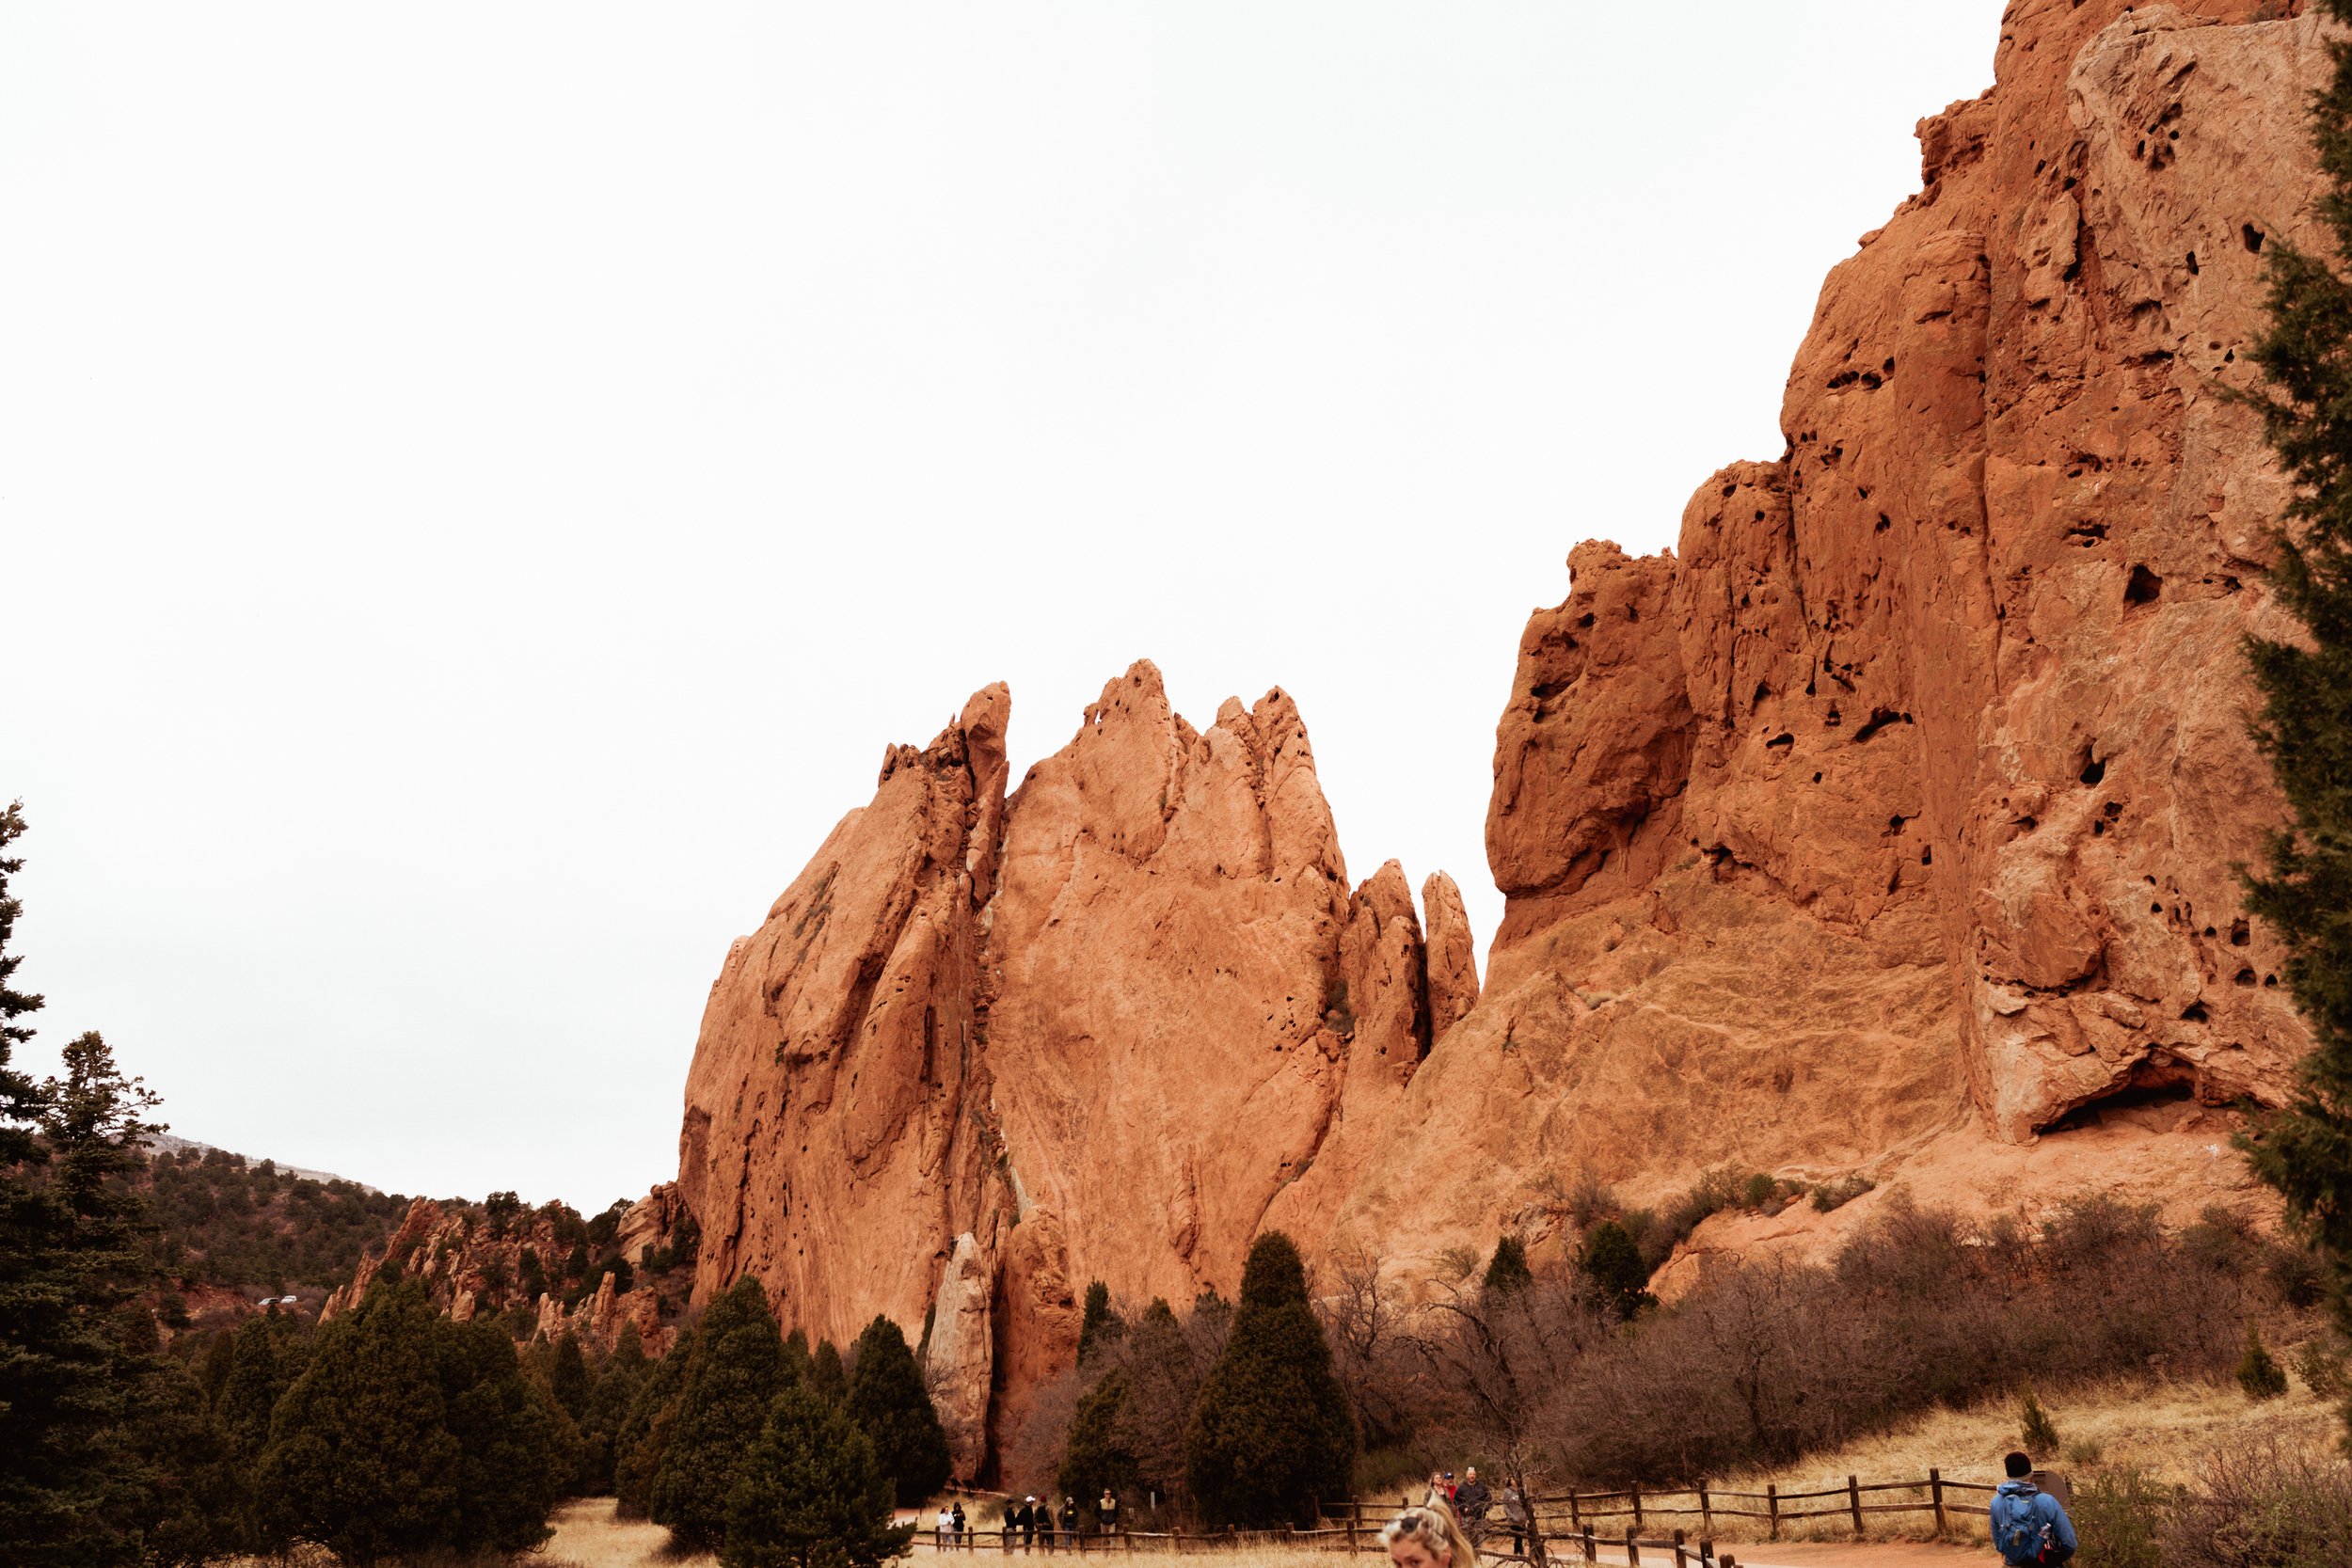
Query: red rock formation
pixel 1886 826
pixel 984 1051
pixel 1890 822
pixel 469 1265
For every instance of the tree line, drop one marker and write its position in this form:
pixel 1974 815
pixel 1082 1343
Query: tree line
pixel 393 1431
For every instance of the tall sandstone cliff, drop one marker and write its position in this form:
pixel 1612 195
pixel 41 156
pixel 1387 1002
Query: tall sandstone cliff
pixel 1885 827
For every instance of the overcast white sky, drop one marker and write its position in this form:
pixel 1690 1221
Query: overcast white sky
pixel 481 486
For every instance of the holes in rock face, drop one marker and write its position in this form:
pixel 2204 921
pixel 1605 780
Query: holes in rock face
pixel 2026 825
pixel 2112 810
pixel 2098 830
pixel 1545 691
pixel 1894 825
pixel 2252 237
pixel 2243 977
pixel 1888 367
pixel 1585 619
pixel 1833 718
pixel 1884 523
pixel 2240 932
pixel 2087 534
pixel 2194 1013
pixel 1879 718
pixel 2094 771
pixel 2270 982
pixel 2155 909
pixel 1783 738
pixel 1927 856
pixel 2192 264
pixel 2210 931
pixel 2144 588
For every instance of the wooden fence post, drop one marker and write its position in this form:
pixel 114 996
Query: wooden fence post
pixel 1637 1509
pixel 1681 1560
pixel 1771 1507
pixel 1590 1555
pixel 1935 1490
pixel 1706 1515
pixel 1632 1549
pixel 1573 1519
pixel 1853 1501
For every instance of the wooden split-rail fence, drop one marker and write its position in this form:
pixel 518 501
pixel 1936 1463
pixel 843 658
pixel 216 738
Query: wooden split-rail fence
pixel 1575 1525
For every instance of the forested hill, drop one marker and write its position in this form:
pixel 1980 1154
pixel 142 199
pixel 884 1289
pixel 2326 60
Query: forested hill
pixel 251 1226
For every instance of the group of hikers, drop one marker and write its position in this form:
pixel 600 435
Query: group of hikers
pixel 1446 1529
pixel 2029 1523
pixel 1030 1523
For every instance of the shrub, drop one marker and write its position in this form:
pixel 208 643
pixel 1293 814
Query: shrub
pixel 2258 1372
pixel 1507 1269
pixel 2321 1370
pixel 1271 1433
pixel 809 1495
pixel 1835 1195
pixel 1590 1201
pixel 2035 1432
pixel 2264 1503
pixel 2120 1517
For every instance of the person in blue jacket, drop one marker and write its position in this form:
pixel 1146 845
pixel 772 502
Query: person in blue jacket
pixel 2029 1526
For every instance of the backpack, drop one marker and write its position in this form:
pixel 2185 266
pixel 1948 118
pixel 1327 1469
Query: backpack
pixel 2021 1534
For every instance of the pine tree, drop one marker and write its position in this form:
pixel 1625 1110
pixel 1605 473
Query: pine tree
pixel 506 1431
pixel 1272 1432
pixel 20 1097
pixel 810 1495
pixel 797 1362
pixel 1611 1261
pixel 360 1459
pixel 569 1379
pixel 2305 724
pixel 825 1374
pixel 72 1488
pixel 733 1378
pixel 1096 1456
pixel 1507 1270
pixel 1100 1327
pixel 890 1404
pixel 617 1383
pixel 252 1389
pixel 642 1439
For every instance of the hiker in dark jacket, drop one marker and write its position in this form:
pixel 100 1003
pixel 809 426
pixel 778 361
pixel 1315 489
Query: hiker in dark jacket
pixel 2029 1526
pixel 1514 1514
pixel 1471 1501
pixel 1022 1524
pixel 1069 1518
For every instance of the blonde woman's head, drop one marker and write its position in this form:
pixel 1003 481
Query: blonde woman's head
pixel 1428 1537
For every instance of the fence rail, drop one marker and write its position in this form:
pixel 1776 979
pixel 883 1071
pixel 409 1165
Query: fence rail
pixel 1572 1518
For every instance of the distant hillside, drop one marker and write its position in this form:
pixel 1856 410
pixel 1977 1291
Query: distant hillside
pixel 254 1226
pixel 166 1143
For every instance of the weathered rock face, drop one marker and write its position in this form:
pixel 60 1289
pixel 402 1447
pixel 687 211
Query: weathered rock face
pixel 984 1051
pixel 1890 822
pixel 469 1265
pixel 1887 826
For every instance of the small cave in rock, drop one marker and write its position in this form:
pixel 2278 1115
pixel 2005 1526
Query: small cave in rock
pixel 2243 977
pixel 1927 856
pixel 2252 237
pixel 2192 264
pixel 1783 738
pixel 2094 771
pixel 2144 587
pixel 2240 932
pixel 2195 1013
pixel 2151 1090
